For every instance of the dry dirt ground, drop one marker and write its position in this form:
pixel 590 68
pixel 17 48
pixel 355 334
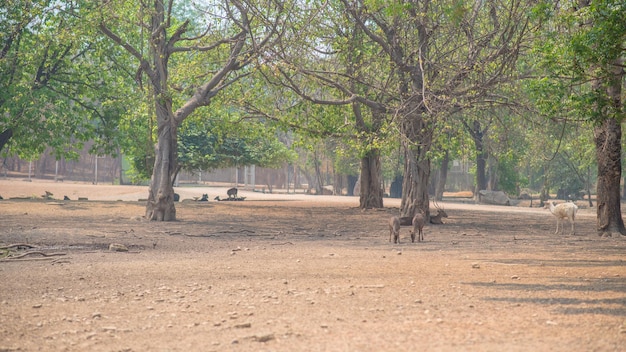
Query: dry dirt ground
pixel 298 273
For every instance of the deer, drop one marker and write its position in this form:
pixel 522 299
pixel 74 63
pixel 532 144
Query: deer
pixel 441 213
pixel 563 211
pixel 418 226
pixel 394 229
pixel 232 193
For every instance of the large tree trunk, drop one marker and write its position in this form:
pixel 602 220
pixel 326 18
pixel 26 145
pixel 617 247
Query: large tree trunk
pixel 371 195
pixel 415 183
pixel 607 137
pixel 443 176
pixel 416 143
pixel 160 205
pixel 481 157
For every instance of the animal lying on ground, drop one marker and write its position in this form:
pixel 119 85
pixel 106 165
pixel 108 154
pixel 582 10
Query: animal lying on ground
pixel 418 226
pixel 394 229
pixel 563 211
pixel 436 219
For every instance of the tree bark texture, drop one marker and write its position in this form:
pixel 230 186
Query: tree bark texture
pixel 607 138
pixel 415 184
pixel 371 195
pixel 417 138
pixel 160 206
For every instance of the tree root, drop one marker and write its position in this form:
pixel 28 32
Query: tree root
pixel 47 255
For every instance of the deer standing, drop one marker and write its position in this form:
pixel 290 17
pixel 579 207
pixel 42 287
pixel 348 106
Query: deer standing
pixel 418 226
pixel 394 229
pixel 563 211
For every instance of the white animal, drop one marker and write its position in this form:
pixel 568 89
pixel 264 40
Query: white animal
pixel 418 226
pixel 563 211
pixel 394 229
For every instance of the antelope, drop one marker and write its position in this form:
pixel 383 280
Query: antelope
pixel 436 219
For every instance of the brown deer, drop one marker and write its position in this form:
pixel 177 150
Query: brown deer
pixel 232 193
pixel 418 226
pixel 394 229
pixel 436 219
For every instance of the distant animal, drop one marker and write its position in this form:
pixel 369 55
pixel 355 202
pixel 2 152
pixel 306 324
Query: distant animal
pixel 394 229
pixel 436 219
pixel 418 226
pixel 563 211
pixel 205 198
pixel 232 193
pixel 66 198
pixel 217 198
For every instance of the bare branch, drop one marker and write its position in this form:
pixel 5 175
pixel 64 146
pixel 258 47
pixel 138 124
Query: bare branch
pixel 144 65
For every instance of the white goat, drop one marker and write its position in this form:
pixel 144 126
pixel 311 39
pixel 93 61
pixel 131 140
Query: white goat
pixel 418 226
pixel 563 211
pixel 394 229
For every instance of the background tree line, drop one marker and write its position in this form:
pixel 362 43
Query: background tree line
pixel 531 92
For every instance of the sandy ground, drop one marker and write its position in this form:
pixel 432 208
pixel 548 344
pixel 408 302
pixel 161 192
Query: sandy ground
pixel 298 273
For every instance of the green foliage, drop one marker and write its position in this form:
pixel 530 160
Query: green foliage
pixel 509 176
pixel 572 55
pixel 211 143
pixel 57 88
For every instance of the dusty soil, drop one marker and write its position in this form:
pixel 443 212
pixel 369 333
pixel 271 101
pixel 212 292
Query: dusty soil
pixel 298 273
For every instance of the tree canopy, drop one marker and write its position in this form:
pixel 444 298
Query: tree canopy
pixel 530 92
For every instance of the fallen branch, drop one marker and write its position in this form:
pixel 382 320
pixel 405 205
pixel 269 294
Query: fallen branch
pixel 18 245
pixel 281 244
pixel 215 234
pixel 34 252
pixel 7 260
pixel 237 231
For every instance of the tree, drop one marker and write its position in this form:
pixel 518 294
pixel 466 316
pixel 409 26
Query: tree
pixel 410 64
pixel 219 47
pixel 56 90
pixel 331 64
pixel 206 144
pixel 478 133
pixel 443 57
pixel 583 54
